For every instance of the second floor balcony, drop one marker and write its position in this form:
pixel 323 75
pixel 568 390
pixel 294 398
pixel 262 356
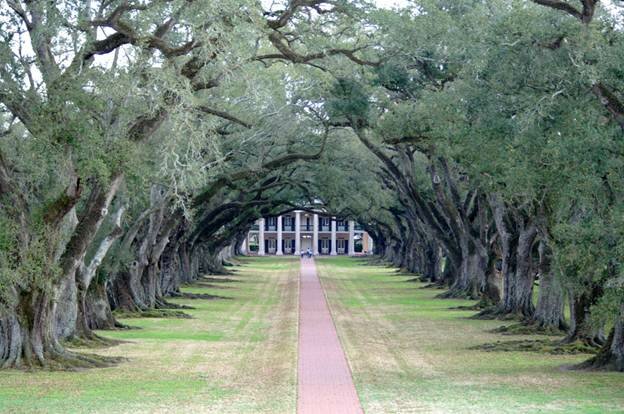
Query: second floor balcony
pixel 323 226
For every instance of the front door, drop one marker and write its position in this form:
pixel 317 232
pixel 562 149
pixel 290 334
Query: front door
pixel 306 243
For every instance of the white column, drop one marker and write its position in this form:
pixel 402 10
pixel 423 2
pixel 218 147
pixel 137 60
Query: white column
pixel 371 247
pixel 243 248
pixel 261 238
pixel 333 237
pixel 351 237
pixel 297 232
pixel 278 251
pixel 315 223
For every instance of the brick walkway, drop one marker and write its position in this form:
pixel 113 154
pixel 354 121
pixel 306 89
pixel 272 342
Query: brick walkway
pixel 325 383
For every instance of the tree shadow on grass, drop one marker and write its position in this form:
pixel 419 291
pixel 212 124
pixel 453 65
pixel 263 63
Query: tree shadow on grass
pixel 543 346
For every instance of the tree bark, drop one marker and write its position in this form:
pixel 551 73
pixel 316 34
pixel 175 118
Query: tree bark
pixel 611 355
pixel 549 315
pixel 581 328
pixel 98 313
pixel 74 254
pixel 86 274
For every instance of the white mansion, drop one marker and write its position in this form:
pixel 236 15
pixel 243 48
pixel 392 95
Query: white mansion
pixel 296 232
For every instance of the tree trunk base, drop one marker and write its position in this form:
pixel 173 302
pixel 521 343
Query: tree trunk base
pixel 588 341
pixel 524 328
pixel 609 358
pixel 64 361
pixel 163 304
pixel 92 341
pixel 457 294
pixel 153 313
pixel 435 285
pixel 496 312
pixel 543 346
pixel 203 296
pixel 482 304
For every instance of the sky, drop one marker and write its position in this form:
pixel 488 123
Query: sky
pixel 390 4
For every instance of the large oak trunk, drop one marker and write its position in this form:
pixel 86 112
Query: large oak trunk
pixel 611 355
pixel 126 291
pixel 28 333
pixel 28 338
pixel 518 290
pixel 472 271
pixel 70 313
pixel 549 315
pixel 581 329
pixel 98 313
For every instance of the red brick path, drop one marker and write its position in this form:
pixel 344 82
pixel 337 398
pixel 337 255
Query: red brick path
pixel 325 383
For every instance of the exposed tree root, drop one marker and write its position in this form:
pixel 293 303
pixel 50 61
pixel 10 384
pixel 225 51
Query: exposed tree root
pixel 604 360
pixel 456 294
pixel 205 296
pixel 474 307
pixel 122 326
pixel 482 304
pixel 163 304
pixel 118 326
pixel 434 286
pixel 220 272
pixel 527 329
pixel 611 354
pixel 495 312
pixel 64 361
pixel 209 286
pixel 93 341
pixel 210 279
pixel 544 346
pixel 153 313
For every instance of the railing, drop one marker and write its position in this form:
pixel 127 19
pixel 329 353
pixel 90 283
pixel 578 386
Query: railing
pixel 304 227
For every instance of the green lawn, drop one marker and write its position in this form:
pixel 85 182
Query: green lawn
pixel 409 353
pixel 237 355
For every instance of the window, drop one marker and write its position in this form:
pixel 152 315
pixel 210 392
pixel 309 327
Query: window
pixel 272 245
pixel 325 223
pixel 287 223
pixel 271 223
pixel 325 246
